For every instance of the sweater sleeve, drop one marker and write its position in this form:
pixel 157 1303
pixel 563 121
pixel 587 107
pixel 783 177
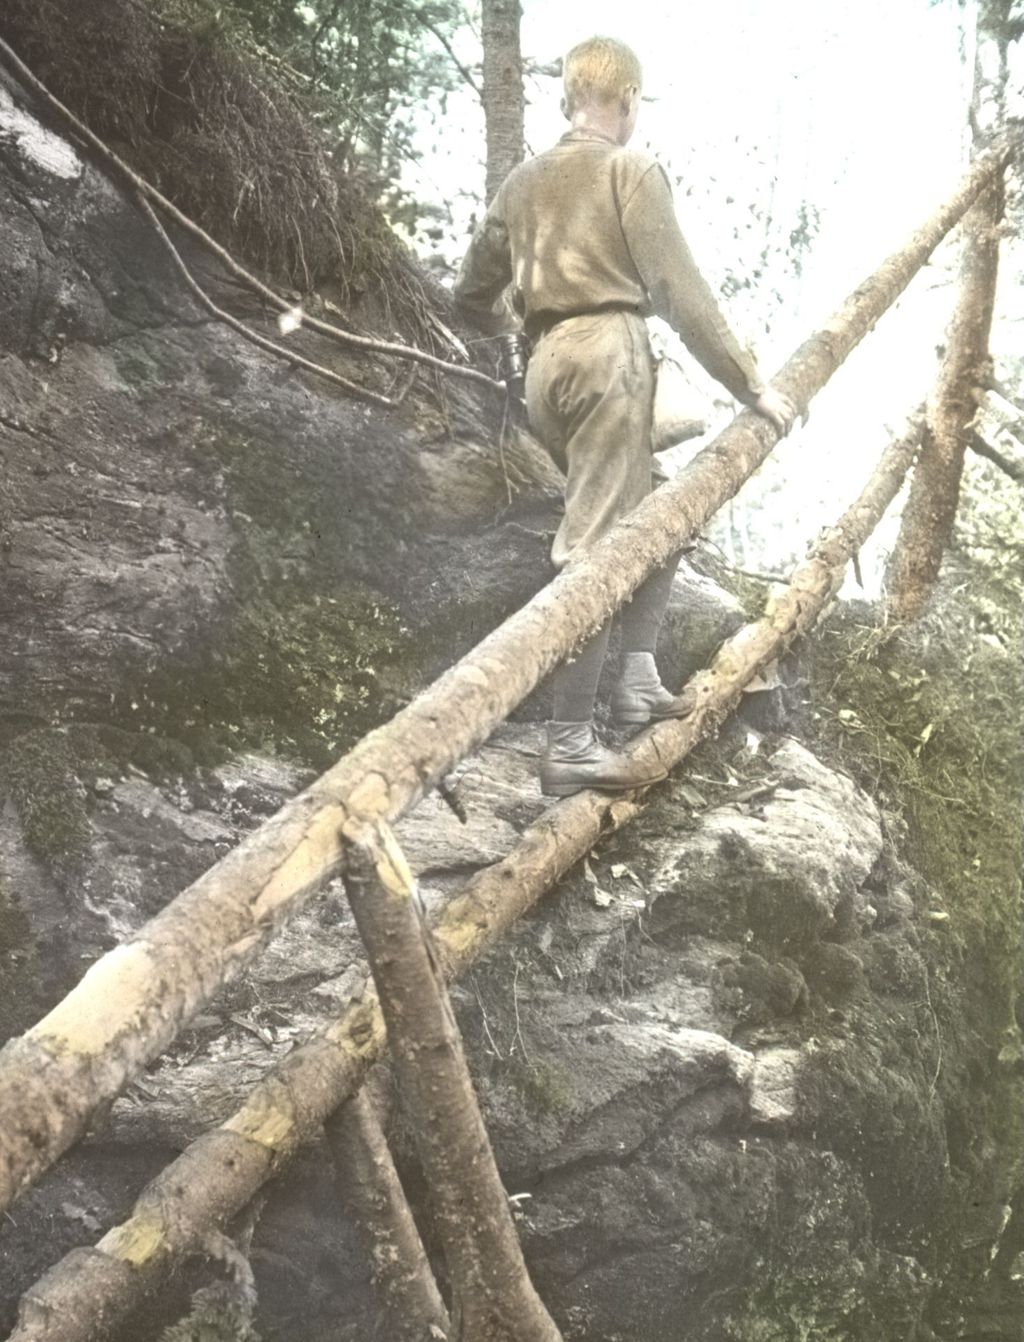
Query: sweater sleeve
pixel 677 290
pixel 485 273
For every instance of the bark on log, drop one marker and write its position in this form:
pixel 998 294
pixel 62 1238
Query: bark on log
pixel 493 1299
pixel 502 95
pixel 133 1001
pixel 927 525
pixel 369 1186
pixel 88 1292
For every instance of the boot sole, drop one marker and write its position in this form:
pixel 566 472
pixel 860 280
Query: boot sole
pixel 641 720
pixel 570 789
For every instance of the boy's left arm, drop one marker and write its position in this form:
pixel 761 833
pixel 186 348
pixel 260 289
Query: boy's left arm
pixel 485 274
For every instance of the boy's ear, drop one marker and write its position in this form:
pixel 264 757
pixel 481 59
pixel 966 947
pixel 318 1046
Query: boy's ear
pixel 564 105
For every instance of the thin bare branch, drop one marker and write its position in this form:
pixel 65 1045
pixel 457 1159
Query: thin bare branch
pixel 272 347
pixel 983 448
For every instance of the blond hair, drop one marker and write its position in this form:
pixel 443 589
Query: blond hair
pixel 599 70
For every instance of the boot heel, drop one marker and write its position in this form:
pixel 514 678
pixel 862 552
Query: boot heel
pixel 562 789
pixel 620 720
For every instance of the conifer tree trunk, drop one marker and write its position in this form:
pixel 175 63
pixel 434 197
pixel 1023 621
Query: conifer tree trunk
pixel 502 91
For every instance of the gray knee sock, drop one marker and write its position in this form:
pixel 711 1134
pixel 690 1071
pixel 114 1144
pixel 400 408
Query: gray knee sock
pixel 641 620
pixel 575 682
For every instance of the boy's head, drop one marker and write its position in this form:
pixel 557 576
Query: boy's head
pixel 603 74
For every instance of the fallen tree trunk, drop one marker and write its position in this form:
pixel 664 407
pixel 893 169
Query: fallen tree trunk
pixel 91 1290
pixel 133 1001
pixel 928 518
pixel 493 1299
pixel 369 1184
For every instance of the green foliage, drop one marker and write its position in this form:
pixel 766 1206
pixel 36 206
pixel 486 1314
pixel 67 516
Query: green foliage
pixel 366 66
pixel 929 721
pixel 939 739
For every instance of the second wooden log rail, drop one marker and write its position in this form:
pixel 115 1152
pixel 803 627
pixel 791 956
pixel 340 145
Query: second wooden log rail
pixel 133 1002
pixel 87 1295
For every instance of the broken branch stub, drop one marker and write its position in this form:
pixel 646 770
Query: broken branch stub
pixel 983 448
pixel 87 1293
pixel 132 1003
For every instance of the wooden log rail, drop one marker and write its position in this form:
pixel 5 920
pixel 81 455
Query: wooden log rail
pixel 369 1185
pixel 930 512
pixel 493 1299
pixel 133 1001
pixel 93 1290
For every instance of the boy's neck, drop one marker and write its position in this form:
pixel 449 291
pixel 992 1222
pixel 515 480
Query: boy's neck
pixel 606 122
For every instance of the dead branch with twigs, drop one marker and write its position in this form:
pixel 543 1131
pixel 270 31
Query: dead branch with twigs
pixel 254 337
pixel 156 198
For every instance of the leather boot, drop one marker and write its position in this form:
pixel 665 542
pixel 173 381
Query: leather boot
pixel 575 760
pixel 640 696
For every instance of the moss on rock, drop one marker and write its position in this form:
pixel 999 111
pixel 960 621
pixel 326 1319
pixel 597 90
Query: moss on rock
pixel 18 959
pixel 40 774
pixel 50 774
pixel 927 719
pixel 296 671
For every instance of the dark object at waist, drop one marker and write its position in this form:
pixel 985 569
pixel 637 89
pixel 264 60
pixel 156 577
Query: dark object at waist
pixel 540 323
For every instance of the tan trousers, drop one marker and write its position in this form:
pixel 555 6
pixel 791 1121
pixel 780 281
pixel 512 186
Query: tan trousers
pixel 590 397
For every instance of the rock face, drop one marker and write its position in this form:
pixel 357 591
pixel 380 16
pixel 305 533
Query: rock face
pixel 708 1063
pixel 162 476
pixel 664 1102
pixel 751 1077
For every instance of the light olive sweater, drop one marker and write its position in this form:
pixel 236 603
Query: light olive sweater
pixel 590 225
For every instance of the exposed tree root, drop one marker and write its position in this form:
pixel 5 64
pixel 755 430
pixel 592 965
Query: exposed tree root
pixel 364 393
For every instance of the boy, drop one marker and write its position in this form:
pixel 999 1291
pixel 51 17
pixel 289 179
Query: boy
pixel 587 237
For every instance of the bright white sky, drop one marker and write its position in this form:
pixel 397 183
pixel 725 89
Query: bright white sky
pixel 856 106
